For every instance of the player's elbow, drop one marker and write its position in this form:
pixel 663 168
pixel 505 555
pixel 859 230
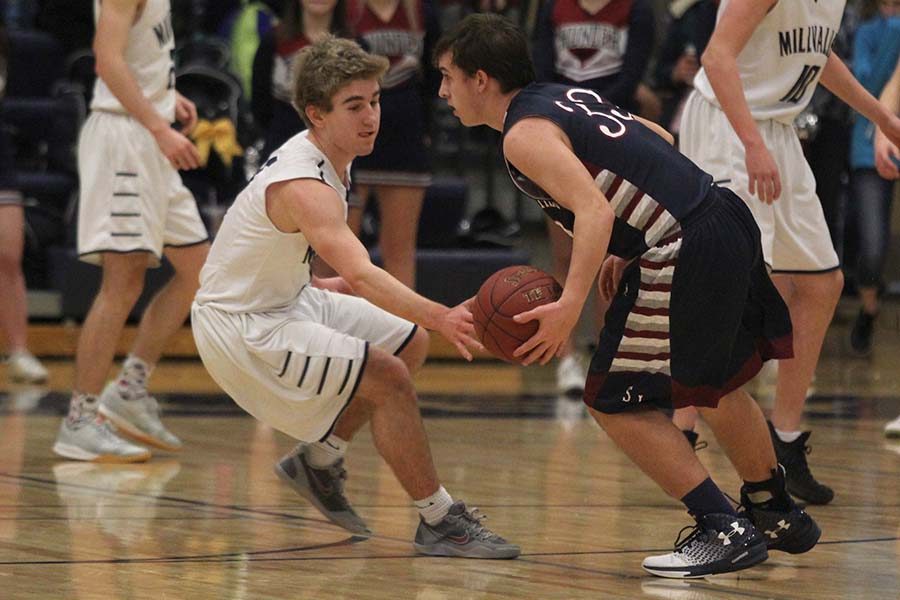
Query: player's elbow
pixel 713 59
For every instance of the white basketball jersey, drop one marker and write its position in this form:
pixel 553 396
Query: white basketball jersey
pixel 781 64
pixel 252 266
pixel 148 53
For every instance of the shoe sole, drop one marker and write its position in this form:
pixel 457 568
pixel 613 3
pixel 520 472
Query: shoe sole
pixel 755 555
pixel 122 424
pixel 359 528
pixel 76 453
pixel 479 551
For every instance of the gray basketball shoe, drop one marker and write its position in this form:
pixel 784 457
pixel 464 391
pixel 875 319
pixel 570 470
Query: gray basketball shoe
pixel 89 438
pixel 137 417
pixel 323 488
pixel 461 534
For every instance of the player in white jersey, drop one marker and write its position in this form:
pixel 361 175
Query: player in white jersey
pixel 760 69
pixel 133 209
pixel 305 359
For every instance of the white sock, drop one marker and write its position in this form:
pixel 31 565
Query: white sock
pixel 435 507
pixel 327 452
pixel 788 436
pixel 133 376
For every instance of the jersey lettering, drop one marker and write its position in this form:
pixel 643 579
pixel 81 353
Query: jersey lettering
pixel 798 91
pixel 576 96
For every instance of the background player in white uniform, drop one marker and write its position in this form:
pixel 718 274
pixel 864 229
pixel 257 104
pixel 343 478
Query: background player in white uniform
pixel 314 363
pixel 759 71
pixel 133 209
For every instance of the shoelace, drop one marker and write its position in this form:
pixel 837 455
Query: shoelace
pixel 695 531
pixel 472 518
pixel 339 474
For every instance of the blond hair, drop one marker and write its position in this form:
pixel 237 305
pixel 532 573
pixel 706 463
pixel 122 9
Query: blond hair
pixel 323 68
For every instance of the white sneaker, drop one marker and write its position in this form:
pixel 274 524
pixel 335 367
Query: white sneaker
pixel 23 367
pixel 892 429
pixel 93 440
pixel 137 417
pixel 570 376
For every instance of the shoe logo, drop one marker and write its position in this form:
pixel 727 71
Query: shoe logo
pixel 782 526
pixel 627 397
pixel 736 529
pixel 459 539
pixel 323 488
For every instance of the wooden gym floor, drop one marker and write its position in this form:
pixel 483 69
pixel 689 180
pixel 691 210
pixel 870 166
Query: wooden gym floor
pixel 214 522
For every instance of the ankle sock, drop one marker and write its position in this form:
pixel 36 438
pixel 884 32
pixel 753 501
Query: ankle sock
pixel 706 499
pixel 788 436
pixel 435 507
pixel 327 452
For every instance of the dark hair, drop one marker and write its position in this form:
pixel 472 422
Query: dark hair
pixel 291 24
pixel 492 44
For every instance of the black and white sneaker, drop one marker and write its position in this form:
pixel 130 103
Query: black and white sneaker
pixel 784 525
pixel 718 543
pixel 323 488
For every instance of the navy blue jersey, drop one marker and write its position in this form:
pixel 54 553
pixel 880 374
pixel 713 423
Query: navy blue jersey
pixel 650 185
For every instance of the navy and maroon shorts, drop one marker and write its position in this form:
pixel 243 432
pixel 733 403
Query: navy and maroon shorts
pixel 694 317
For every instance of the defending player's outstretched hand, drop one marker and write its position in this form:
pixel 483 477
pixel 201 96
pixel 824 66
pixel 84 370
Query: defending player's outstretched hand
pixel 457 325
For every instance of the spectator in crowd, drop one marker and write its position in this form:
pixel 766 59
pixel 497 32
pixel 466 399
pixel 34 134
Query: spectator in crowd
pixel 605 46
pixel 876 48
pixel 678 61
pixel 303 22
pixel 887 161
pixel 398 170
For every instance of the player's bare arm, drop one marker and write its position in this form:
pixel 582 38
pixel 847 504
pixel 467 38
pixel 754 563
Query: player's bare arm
pixel 313 207
pixel 733 30
pixel 110 40
pixel 554 167
pixel 887 154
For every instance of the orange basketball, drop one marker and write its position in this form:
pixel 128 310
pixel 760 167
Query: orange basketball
pixel 503 295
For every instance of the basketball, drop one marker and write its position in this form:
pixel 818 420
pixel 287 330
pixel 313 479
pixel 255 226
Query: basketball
pixel 503 295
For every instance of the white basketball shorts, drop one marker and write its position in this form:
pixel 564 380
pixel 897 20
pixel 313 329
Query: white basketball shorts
pixel 795 236
pixel 296 369
pixel 132 199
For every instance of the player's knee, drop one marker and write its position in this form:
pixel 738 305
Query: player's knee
pixel 416 350
pixel 387 381
pixel 124 289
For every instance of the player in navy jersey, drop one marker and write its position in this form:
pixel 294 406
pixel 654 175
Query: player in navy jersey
pixel 693 314
pixel 601 45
